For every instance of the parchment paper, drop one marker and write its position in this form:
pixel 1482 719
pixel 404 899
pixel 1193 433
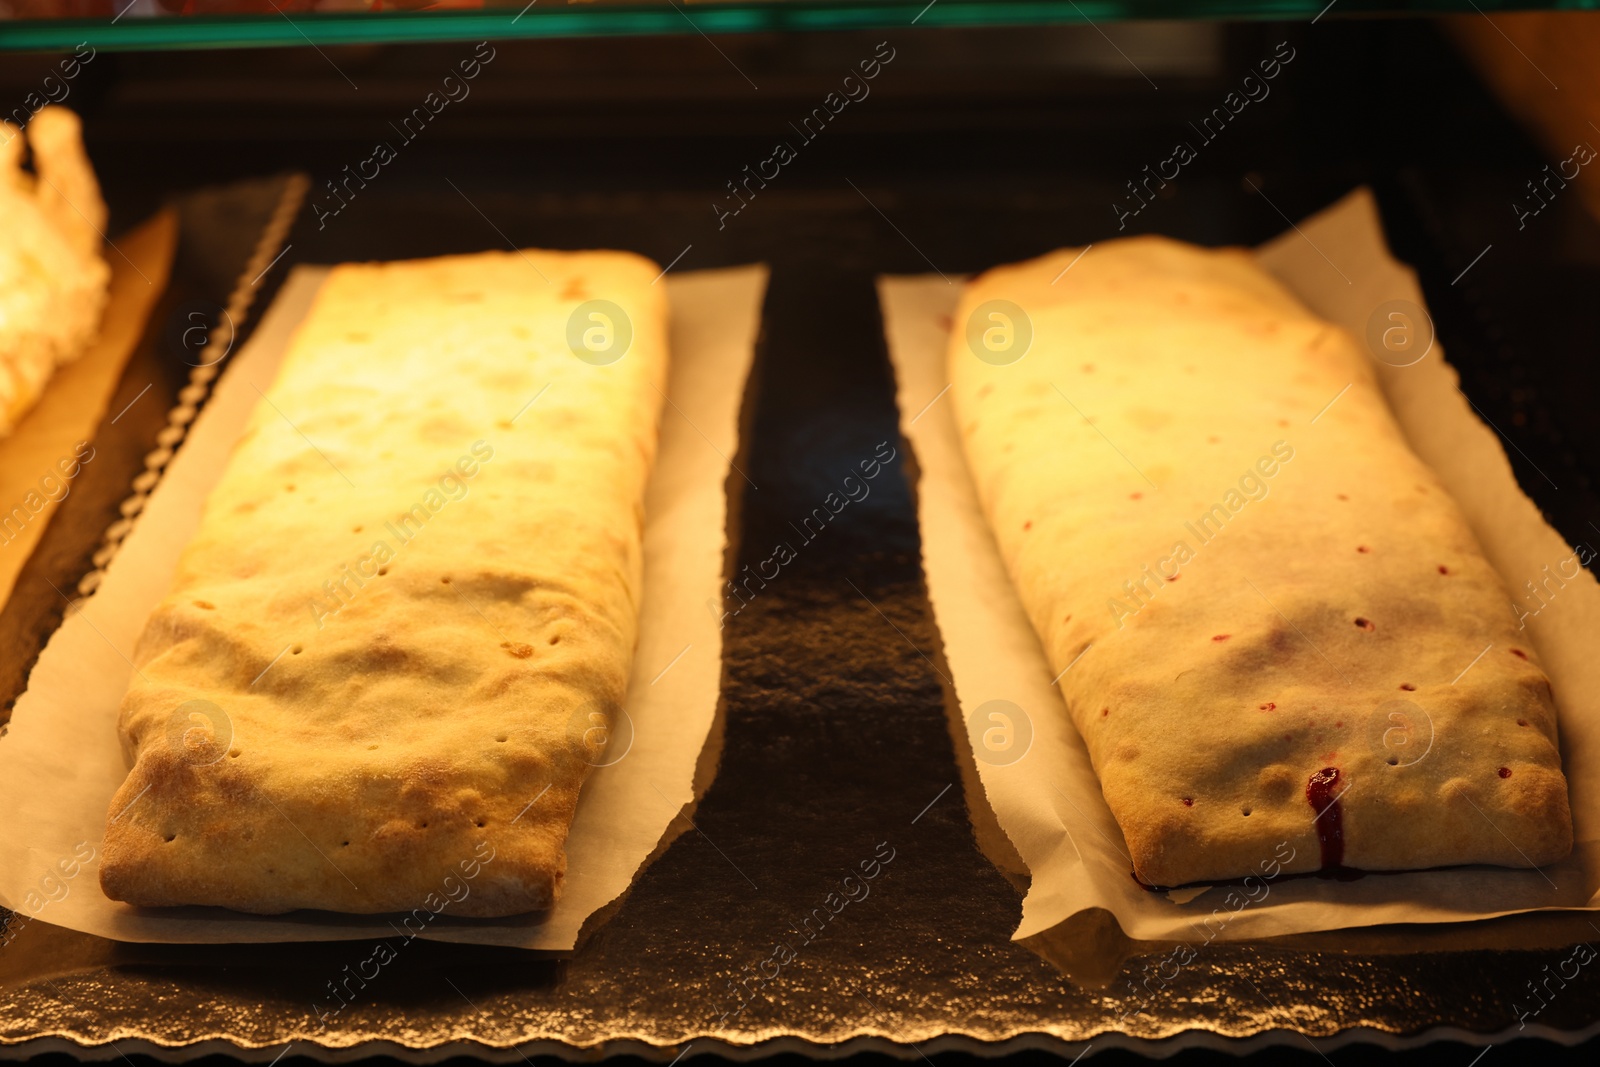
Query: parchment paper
pixel 61 761
pixel 75 398
pixel 1049 802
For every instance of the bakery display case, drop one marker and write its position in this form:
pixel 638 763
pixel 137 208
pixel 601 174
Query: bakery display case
pixel 213 23
pixel 791 839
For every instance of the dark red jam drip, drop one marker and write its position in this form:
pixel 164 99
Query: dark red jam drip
pixel 1323 793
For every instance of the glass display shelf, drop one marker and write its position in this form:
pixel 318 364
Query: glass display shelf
pixel 42 25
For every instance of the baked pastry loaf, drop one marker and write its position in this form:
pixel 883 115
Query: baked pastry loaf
pixel 1283 639
pixel 53 279
pixel 392 647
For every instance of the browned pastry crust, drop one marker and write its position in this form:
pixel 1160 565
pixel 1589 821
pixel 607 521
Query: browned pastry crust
pixel 411 599
pixel 1264 587
pixel 53 278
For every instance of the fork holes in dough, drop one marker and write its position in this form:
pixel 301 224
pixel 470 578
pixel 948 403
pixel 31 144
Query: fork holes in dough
pixel 1244 811
pixel 296 650
pixel 382 571
pixel 501 738
pixel 1394 761
pixel 205 605
pixel 556 640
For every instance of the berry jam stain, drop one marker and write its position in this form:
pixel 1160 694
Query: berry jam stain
pixel 1323 792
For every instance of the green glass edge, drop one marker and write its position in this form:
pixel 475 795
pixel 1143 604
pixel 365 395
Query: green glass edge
pixel 773 16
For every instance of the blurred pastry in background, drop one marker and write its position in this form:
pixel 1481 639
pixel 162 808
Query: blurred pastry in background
pixel 53 276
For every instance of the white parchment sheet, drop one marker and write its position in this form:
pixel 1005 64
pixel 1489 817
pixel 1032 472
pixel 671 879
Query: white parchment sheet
pixel 1049 802
pixel 60 760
